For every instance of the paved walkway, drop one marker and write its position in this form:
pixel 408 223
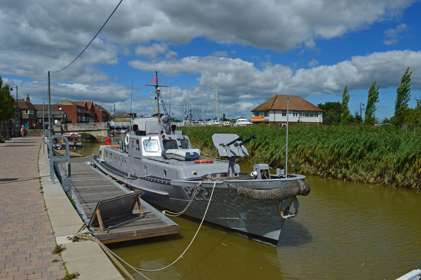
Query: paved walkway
pixel 26 237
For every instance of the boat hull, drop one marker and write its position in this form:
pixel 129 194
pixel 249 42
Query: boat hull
pixel 257 215
pixel 252 207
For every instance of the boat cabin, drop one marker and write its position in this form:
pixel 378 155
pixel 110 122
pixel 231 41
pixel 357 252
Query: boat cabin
pixel 158 150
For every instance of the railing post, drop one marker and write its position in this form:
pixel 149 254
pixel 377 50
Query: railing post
pixel 51 157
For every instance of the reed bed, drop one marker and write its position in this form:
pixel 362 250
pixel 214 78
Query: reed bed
pixel 381 155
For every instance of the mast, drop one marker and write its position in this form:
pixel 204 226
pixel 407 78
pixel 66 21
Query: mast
pixel 157 87
pixel 131 106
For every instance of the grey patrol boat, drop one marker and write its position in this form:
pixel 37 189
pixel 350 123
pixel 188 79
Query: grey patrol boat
pixel 159 160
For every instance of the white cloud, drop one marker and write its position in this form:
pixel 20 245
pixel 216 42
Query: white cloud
pixel 313 62
pixel 103 93
pixel 237 80
pixel 155 50
pixel 392 35
pixel 37 36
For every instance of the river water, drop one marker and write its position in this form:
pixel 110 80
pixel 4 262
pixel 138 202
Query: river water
pixel 343 231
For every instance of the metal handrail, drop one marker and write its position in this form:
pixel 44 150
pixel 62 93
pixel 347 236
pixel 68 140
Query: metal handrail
pixel 55 158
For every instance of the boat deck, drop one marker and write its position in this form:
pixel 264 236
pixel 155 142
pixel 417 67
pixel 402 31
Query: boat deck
pixel 95 193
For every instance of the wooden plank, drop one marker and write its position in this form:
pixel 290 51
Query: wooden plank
pixel 91 186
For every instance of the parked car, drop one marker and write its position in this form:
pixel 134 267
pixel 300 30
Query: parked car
pixel 242 122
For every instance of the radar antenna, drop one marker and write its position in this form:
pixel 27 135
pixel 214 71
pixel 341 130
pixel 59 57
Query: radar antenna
pixel 157 86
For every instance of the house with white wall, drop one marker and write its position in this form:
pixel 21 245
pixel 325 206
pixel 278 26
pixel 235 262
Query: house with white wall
pixel 275 110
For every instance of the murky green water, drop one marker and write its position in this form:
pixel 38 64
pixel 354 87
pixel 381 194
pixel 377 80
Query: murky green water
pixel 343 231
pixel 88 149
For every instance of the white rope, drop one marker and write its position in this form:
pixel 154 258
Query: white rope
pixel 110 252
pixel 177 214
pixel 191 241
pixel 139 270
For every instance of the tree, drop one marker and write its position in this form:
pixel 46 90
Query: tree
pixel 331 112
pixel 403 94
pixel 7 103
pixel 373 98
pixel 358 118
pixel 345 114
pixel 412 118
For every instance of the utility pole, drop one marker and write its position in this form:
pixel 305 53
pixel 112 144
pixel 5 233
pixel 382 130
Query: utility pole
pixel 50 127
pixel 49 109
pixel 286 141
pixel 43 120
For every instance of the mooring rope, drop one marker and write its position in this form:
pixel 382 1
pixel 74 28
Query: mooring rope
pixel 177 214
pixel 139 270
pixel 191 241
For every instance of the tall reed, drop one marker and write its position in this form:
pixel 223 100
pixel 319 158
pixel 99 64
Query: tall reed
pixel 383 155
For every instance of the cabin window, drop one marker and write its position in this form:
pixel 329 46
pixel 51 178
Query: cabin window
pixel 170 144
pixel 151 145
pixel 184 143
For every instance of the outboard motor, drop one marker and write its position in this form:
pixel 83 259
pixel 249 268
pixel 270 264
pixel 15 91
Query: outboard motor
pixel 260 171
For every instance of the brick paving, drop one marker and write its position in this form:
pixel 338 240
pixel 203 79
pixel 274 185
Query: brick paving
pixel 26 237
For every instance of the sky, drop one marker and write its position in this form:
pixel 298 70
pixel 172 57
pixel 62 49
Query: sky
pixel 237 52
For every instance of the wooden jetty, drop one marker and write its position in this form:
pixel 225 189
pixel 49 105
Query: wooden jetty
pixel 110 211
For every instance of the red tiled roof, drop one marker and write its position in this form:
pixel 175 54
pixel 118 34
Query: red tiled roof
pixel 279 102
pixel 23 104
pixel 40 107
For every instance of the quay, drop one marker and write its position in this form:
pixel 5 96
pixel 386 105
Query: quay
pixel 38 221
pixel 110 211
pixel 27 238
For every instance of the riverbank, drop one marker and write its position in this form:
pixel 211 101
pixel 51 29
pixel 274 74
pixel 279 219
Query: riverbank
pixel 84 258
pixel 37 218
pixel 380 155
pixel 27 239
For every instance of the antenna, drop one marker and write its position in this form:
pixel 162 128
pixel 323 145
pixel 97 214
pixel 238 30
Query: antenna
pixel 157 87
pixel 216 105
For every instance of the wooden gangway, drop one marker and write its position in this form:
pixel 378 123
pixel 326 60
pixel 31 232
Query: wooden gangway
pixel 110 211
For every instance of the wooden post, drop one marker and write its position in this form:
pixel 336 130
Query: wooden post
pixel 99 217
pixel 138 208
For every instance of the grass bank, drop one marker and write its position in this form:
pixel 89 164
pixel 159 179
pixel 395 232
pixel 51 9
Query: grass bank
pixel 383 155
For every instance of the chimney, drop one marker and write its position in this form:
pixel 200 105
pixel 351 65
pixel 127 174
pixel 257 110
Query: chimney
pixel 28 99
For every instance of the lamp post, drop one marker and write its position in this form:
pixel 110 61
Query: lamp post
pixel 63 119
pixel 17 107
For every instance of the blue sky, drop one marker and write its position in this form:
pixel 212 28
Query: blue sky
pixel 246 51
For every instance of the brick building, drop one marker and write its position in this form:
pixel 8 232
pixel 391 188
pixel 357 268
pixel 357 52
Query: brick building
pixel 75 112
pixel 27 115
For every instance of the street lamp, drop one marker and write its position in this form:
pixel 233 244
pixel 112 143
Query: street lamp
pixel 18 117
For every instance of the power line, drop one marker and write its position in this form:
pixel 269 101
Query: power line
pixel 90 42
